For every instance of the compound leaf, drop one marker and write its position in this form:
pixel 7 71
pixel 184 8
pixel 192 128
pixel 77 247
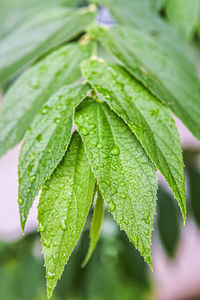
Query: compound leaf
pixel 34 87
pixel 96 224
pixel 125 175
pixel 149 119
pixel 46 142
pixel 157 69
pixel 63 208
pixel 36 36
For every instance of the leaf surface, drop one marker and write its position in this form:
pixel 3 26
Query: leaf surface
pixel 34 87
pixel 146 116
pixel 46 142
pixel 157 69
pixel 63 208
pixel 36 36
pixel 125 175
pixel 96 224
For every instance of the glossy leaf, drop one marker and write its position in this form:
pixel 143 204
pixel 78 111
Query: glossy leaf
pixel 46 142
pixel 184 15
pixel 157 69
pixel 149 119
pixel 37 35
pixel 125 175
pixel 96 224
pixel 63 208
pixel 34 87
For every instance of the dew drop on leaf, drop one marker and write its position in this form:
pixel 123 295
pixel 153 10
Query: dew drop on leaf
pixel 28 190
pixel 20 201
pixel 112 206
pixel 115 150
pixel 113 190
pixel 41 227
pixel 84 131
pixel 39 137
pixel 123 195
pixel 32 179
pixel 46 243
pixel 50 275
pixel 34 83
pixel 99 146
pixel 63 225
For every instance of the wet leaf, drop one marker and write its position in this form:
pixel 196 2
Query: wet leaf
pixel 149 119
pixel 63 208
pixel 125 175
pixel 34 87
pixel 46 142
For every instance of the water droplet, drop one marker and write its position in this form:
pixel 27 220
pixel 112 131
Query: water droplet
pixel 57 120
pixel 112 206
pixel 41 227
pixel 115 150
pixel 95 167
pixel 104 155
pixel 59 106
pixel 84 131
pixel 63 225
pixel 99 146
pixel 20 201
pixel 50 275
pixel 54 244
pixel 146 232
pixel 28 190
pixel 46 243
pixel 126 222
pixel 34 83
pixel 43 69
pixel 44 109
pixel 113 190
pixel 32 179
pixel 123 183
pixel 123 195
pixel 39 137
pixel 102 191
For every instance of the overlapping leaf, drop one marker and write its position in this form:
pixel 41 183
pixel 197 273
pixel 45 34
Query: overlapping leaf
pixel 157 69
pixel 184 15
pixel 125 175
pixel 142 14
pixel 34 87
pixel 96 224
pixel 46 142
pixel 63 208
pixel 149 119
pixel 37 35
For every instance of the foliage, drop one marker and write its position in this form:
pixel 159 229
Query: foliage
pixel 122 111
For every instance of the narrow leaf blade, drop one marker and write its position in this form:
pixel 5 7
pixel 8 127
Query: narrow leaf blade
pixel 46 142
pixel 63 208
pixel 96 224
pixel 149 119
pixel 159 71
pixel 34 87
pixel 125 175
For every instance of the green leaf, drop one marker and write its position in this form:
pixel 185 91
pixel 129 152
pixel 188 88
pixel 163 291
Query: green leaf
pixel 95 226
pixel 194 190
pixel 34 87
pixel 168 222
pixel 184 15
pixel 142 15
pixel 125 175
pixel 63 208
pixel 39 34
pixel 157 69
pixel 149 119
pixel 45 143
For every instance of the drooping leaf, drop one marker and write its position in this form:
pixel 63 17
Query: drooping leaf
pixel 46 142
pixel 125 175
pixel 157 69
pixel 37 35
pixel 63 208
pixel 168 222
pixel 142 14
pixel 96 224
pixel 149 119
pixel 34 87
pixel 184 15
